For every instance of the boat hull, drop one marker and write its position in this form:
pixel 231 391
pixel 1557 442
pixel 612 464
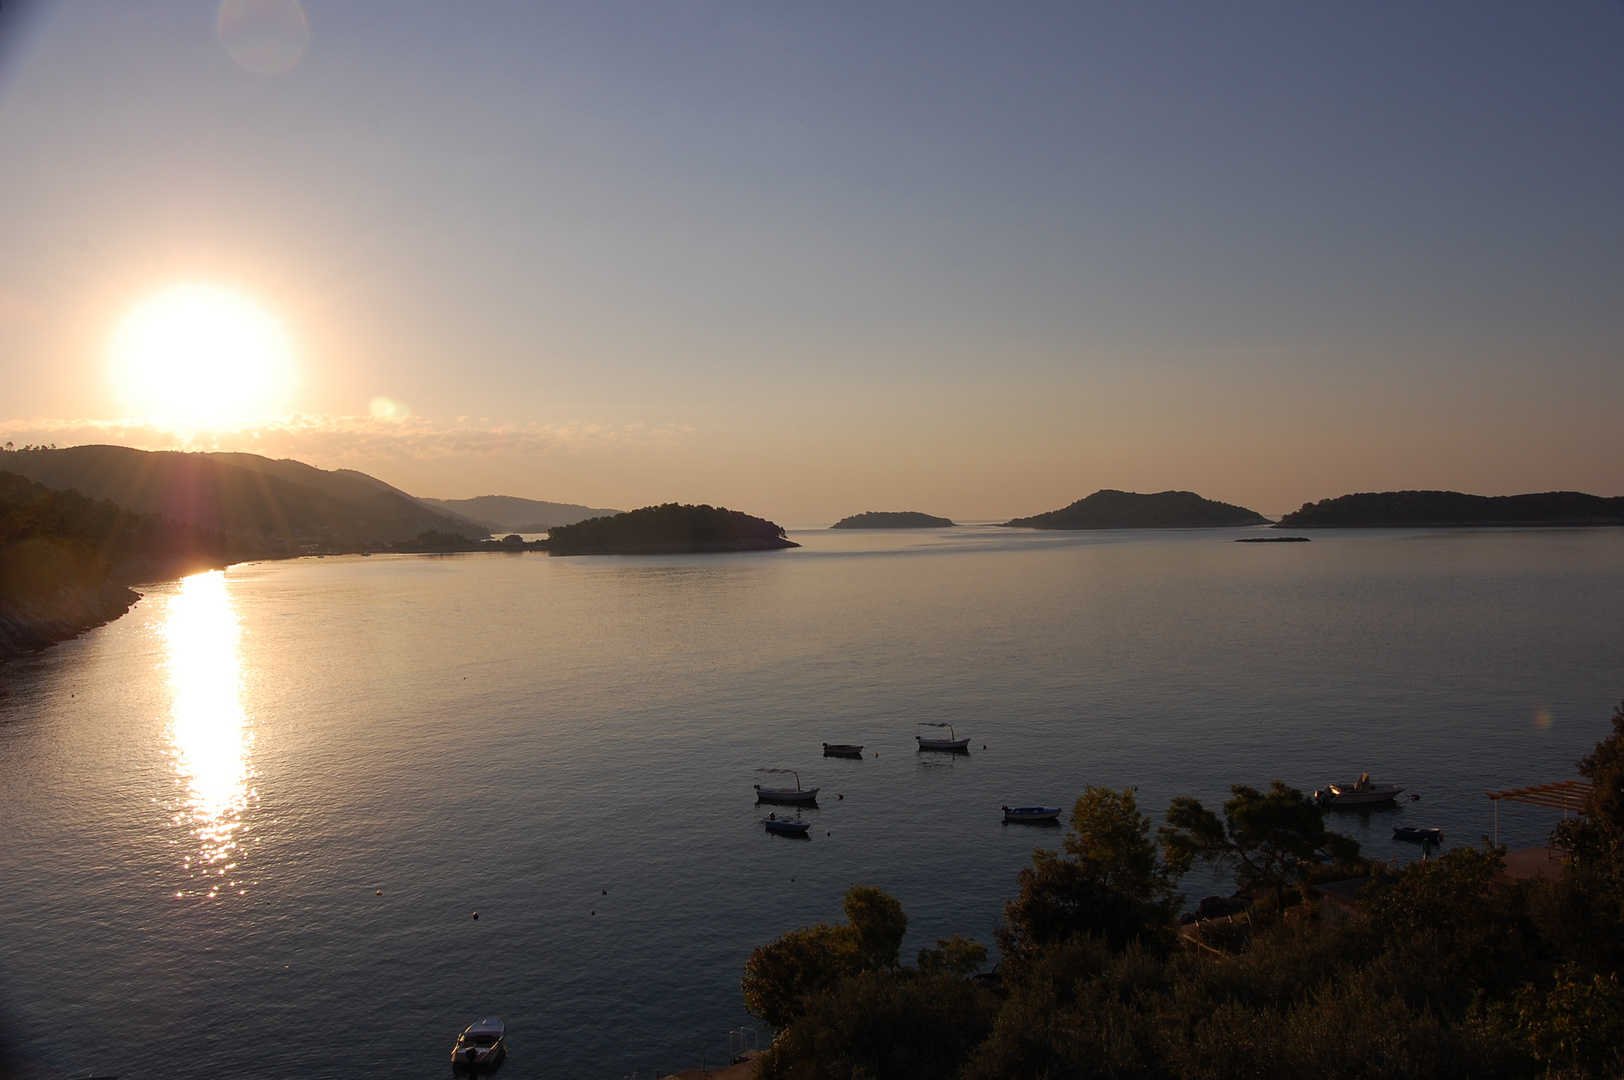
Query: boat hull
pixel 1418 834
pixel 787 796
pixel 842 750
pixel 788 828
pixel 1340 796
pixel 951 746
pixel 1031 814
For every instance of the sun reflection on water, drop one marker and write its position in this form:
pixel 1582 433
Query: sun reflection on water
pixel 209 731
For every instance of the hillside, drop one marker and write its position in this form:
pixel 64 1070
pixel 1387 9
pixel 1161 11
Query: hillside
pixel 277 505
pixel 667 530
pixel 901 519
pixel 1452 509
pixel 65 561
pixel 508 513
pixel 1128 510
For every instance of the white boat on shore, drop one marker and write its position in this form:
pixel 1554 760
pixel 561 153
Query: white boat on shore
pixel 482 1045
pixel 794 796
pixel 952 744
pixel 1362 792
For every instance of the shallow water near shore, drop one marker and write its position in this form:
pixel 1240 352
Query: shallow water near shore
pixel 202 801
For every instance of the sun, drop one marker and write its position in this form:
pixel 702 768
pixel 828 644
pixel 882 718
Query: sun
pixel 200 354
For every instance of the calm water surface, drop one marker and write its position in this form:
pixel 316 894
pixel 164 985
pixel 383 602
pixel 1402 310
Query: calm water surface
pixel 201 800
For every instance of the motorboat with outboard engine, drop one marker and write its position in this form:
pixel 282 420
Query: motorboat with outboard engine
pixel 1362 792
pixel 481 1046
pixel 1039 814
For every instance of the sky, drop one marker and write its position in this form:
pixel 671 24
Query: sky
pixel 811 259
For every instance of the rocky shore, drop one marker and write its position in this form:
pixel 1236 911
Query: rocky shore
pixel 31 624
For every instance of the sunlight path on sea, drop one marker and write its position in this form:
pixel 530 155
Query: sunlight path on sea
pixel 209 730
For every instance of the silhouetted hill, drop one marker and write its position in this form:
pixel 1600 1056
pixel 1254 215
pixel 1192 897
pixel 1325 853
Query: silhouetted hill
pixel 1452 509
pixel 900 519
pixel 668 529
pixel 274 504
pixel 1128 510
pixel 509 513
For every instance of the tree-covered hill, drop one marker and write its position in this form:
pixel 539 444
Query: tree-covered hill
pixel 245 496
pixel 1441 969
pixel 1452 509
pixel 1110 509
pixel 65 560
pixel 668 529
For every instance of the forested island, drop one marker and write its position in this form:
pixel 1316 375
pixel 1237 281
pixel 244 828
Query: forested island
pixel 1452 509
pixel 1110 509
pixel 1323 964
pixel 669 529
pixel 900 519
pixel 66 561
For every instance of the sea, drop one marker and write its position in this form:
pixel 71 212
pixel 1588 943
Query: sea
pixel 310 818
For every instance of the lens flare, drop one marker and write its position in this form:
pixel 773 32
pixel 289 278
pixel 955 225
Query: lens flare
pixel 1543 719
pixel 266 37
pixel 209 730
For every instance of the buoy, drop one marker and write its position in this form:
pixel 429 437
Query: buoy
pixel 983 746
pixel 476 916
pixel 592 913
pixel 840 796
pixel 380 892
pixel 606 892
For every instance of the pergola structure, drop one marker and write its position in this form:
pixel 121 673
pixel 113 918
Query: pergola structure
pixel 1563 795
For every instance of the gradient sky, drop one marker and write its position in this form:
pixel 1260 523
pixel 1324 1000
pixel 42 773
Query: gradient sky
pixel 811 259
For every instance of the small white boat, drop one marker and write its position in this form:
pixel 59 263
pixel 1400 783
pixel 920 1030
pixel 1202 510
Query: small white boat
pixel 842 749
pixel 1362 792
pixel 795 796
pixel 482 1045
pixel 785 826
pixel 1030 813
pixel 952 743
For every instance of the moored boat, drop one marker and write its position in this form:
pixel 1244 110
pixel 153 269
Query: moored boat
pixel 1030 813
pixel 795 796
pixel 952 744
pixel 842 749
pixel 786 826
pixel 482 1045
pixel 1419 834
pixel 1362 792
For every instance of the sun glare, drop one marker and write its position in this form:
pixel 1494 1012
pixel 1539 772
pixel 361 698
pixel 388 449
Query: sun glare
pixel 198 354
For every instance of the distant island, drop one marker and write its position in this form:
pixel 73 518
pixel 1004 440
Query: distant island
pixel 508 513
pixel 1110 509
pixel 901 519
pixel 1452 509
pixel 668 530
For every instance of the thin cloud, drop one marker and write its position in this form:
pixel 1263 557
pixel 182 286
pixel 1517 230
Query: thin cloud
pixel 331 438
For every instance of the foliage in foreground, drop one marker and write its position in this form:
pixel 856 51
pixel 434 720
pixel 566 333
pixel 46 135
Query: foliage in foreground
pixel 1448 972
